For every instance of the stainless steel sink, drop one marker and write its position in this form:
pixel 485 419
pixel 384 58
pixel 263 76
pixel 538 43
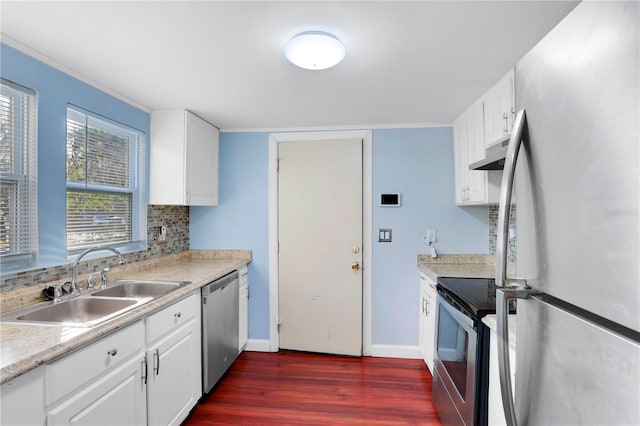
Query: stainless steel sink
pixel 131 288
pixel 76 312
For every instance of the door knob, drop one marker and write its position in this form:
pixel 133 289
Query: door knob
pixel 355 250
pixel 355 266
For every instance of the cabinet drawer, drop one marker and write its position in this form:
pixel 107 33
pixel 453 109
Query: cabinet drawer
pixel 74 370
pixel 428 285
pixel 243 276
pixel 173 316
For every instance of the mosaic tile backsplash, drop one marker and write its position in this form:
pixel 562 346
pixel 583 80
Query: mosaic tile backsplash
pixel 174 218
pixel 493 233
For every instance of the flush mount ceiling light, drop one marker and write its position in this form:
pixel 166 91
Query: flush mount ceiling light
pixel 314 50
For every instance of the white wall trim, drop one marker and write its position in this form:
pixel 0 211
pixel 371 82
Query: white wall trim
pixel 396 351
pixel 367 158
pixel 258 345
pixel 65 69
pixel 336 128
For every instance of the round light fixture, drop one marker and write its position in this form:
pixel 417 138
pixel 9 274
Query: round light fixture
pixel 314 50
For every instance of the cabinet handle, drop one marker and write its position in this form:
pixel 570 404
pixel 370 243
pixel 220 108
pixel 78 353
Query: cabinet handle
pixel 144 370
pixel 178 314
pixel 505 117
pixel 112 352
pixel 156 362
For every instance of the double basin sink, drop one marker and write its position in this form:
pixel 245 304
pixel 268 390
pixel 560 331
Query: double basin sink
pixel 91 309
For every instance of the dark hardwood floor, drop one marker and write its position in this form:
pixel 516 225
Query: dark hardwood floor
pixel 289 388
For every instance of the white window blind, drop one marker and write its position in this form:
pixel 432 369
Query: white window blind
pixel 105 182
pixel 18 173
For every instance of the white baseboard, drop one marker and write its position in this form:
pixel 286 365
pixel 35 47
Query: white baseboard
pixel 256 345
pixel 384 351
pixel 395 351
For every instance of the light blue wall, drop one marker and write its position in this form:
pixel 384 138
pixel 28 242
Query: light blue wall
pixel 55 90
pixel 416 162
pixel 241 220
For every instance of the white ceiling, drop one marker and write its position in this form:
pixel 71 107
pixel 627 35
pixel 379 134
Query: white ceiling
pixel 408 63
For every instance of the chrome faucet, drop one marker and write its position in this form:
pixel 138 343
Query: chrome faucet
pixel 75 289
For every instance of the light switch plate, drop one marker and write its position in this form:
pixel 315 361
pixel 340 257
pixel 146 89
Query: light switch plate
pixel 384 235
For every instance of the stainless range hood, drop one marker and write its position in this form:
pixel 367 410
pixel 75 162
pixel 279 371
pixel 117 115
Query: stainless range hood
pixel 494 157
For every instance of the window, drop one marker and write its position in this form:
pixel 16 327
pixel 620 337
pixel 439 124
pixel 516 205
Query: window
pixel 18 174
pixel 105 183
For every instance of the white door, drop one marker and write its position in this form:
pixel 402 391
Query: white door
pixel 320 246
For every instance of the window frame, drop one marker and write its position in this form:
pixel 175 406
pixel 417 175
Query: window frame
pixel 23 177
pixel 137 187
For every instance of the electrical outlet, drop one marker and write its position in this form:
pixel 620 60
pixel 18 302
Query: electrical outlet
pixel 431 236
pixel 162 234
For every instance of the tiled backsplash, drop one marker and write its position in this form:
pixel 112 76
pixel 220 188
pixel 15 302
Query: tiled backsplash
pixel 493 233
pixel 174 218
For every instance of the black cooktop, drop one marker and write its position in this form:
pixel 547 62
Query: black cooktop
pixel 476 296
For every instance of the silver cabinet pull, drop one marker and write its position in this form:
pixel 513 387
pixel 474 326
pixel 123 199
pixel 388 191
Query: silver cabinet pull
pixel 178 314
pixel 113 352
pixel 156 362
pixel 144 370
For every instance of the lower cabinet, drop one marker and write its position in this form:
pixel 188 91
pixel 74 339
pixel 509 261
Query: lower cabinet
pixel 173 362
pixel 117 398
pixel 427 319
pixel 147 373
pixel 22 399
pixel 243 335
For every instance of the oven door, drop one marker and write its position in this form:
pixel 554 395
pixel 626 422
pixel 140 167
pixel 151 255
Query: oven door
pixel 455 358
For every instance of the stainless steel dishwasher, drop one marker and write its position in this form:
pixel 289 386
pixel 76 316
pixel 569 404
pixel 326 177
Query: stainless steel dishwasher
pixel 220 304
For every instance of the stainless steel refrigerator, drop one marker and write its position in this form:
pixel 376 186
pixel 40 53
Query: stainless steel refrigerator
pixel 577 183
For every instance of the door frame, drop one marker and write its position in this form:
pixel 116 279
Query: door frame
pixel 367 241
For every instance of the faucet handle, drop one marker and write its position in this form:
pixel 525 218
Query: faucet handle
pixel 104 277
pixel 91 278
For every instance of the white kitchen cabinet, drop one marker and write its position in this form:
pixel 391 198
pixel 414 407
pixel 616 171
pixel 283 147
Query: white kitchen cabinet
pixel 496 409
pixel 184 159
pixel 243 324
pixel 22 399
pixel 499 110
pixel 174 361
pixel 427 323
pixel 473 187
pixel 115 398
pixel 102 383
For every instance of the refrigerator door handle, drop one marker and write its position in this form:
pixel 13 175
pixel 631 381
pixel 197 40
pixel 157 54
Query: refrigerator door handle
pixel 516 286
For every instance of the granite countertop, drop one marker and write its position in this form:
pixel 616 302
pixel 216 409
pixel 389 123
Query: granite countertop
pixel 24 347
pixel 457 265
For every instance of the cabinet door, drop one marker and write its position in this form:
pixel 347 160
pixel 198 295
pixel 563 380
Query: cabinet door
pixel 499 110
pixel 430 331
pixel 477 180
pixel 243 323
pixel 422 326
pixel 117 398
pixel 173 383
pixel 460 160
pixel 22 399
pixel 202 162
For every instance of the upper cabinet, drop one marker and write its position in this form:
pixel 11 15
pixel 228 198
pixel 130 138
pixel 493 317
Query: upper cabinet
pixel 486 122
pixel 499 110
pixel 473 187
pixel 184 159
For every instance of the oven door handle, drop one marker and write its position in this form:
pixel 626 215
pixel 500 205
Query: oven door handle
pixel 467 323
